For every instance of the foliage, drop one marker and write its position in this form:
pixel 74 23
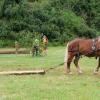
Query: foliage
pixel 60 20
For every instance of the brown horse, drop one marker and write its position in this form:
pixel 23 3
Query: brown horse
pixel 79 47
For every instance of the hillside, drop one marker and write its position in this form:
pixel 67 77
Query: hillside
pixel 60 20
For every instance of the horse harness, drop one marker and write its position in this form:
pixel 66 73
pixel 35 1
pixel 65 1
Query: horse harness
pixel 93 49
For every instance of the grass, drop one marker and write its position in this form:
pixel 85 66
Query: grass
pixel 54 85
pixel 14 62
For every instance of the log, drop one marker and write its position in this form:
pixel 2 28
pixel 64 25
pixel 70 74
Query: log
pixel 7 52
pixel 14 52
pixel 22 72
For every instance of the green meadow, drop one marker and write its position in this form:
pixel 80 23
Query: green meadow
pixel 54 85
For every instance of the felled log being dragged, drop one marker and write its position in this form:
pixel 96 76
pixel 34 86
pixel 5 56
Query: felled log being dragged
pixel 24 72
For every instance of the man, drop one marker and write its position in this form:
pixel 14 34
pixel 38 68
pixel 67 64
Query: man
pixel 16 46
pixel 45 44
pixel 35 47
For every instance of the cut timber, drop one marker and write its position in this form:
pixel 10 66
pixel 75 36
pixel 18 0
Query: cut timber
pixel 7 52
pixel 22 72
pixel 14 52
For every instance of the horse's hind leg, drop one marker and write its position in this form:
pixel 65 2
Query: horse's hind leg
pixel 76 60
pixel 97 69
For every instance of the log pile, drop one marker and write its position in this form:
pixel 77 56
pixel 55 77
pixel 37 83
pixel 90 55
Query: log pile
pixel 14 52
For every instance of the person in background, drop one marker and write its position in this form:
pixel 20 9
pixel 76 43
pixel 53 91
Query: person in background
pixel 16 46
pixel 35 49
pixel 45 44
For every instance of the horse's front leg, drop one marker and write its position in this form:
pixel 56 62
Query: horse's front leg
pixel 76 60
pixel 97 68
pixel 67 64
pixel 67 68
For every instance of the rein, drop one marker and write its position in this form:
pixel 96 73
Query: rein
pixel 54 67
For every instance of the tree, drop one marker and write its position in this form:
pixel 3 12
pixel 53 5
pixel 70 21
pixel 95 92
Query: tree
pixel 60 20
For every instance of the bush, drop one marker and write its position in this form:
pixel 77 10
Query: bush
pixel 58 19
pixel 6 43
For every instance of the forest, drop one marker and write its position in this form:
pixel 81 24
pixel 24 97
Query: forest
pixel 59 20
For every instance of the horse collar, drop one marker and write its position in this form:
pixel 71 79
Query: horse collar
pixel 93 45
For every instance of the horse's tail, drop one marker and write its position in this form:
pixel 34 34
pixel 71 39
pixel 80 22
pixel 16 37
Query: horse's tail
pixel 66 54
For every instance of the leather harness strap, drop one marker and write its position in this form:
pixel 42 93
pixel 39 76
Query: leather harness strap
pixel 94 45
pixel 93 49
pixel 76 50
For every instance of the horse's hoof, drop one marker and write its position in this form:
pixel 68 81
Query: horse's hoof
pixel 65 73
pixel 80 72
pixel 95 72
pixel 70 73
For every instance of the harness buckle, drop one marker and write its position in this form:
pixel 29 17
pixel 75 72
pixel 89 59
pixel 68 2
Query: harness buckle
pixel 93 46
